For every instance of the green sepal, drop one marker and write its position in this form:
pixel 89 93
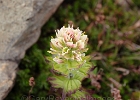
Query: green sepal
pixel 87 58
pixel 66 67
pixel 49 59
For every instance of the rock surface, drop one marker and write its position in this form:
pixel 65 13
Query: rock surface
pixel 7 76
pixel 20 24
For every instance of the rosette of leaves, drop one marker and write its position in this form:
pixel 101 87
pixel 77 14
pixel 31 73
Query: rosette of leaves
pixel 69 63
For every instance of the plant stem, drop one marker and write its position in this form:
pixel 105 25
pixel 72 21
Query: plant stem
pixel 29 97
pixel 63 95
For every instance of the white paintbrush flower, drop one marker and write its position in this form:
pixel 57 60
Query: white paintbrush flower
pixel 69 43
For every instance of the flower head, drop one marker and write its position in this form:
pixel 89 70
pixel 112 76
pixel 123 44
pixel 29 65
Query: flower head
pixel 69 43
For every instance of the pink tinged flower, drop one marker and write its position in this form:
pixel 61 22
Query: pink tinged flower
pixel 80 44
pixel 61 32
pixel 77 56
pixel 74 45
pixel 65 50
pixel 53 42
pixel 53 50
pixel 58 60
pixel 70 44
pixel 70 33
pixel 84 38
pixel 56 42
pixel 68 40
pixel 77 34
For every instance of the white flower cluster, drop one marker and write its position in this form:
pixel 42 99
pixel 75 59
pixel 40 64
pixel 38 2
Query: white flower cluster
pixel 69 44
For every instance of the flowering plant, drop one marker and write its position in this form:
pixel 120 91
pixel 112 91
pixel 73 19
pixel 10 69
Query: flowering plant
pixel 69 61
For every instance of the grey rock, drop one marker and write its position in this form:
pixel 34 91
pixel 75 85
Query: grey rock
pixel 20 24
pixel 8 71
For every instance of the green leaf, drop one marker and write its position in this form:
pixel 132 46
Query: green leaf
pixel 135 95
pixel 85 67
pixel 68 85
pixel 56 81
pixel 62 68
pixel 78 75
pixel 95 71
pixel 66 67
pixel 81 72
pixel 87 58
pixel 71 85
pixel 79 95
pixel 97 96
pixel 73 64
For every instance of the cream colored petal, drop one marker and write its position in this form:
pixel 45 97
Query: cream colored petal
pixel 80 44
pixel 57 60
pixel 84 38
